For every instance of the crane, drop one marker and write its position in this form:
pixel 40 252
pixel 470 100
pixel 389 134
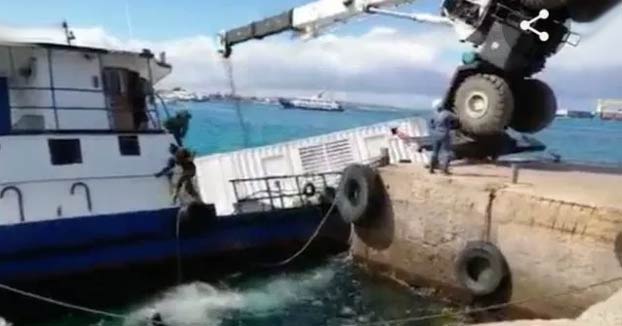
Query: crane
pixel 493 89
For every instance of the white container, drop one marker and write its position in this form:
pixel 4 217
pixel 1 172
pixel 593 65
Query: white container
pixel 326 153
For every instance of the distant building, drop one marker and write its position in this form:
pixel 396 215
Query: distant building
pixel 609 109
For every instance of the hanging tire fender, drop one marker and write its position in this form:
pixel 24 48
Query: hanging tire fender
pixel 194 217
pixel 360 195
pixel 309 190
pixel 481 268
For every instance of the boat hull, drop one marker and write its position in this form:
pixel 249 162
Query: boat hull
pixel 36 251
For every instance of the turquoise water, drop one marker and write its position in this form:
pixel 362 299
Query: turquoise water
pixel 216 127
pixel 584 140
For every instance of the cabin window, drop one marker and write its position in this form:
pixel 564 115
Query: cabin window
pixel 95 82
pixel 129 146
pixel 65 151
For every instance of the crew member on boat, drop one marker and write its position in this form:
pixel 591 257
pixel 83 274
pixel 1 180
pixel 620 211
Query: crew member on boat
pixel 182 157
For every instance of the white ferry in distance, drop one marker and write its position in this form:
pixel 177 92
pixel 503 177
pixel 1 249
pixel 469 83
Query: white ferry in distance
pixel 312 103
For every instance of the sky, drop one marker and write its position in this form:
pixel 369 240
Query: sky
pixel 374 59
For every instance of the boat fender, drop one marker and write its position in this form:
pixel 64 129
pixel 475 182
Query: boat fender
pixel 309 190
pixel 481 268
pixel 359 195
pixel 195 216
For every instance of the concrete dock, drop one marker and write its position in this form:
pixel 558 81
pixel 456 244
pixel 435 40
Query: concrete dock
pixel 559 228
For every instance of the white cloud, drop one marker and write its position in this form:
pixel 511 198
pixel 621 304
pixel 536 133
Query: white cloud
pixel 581 75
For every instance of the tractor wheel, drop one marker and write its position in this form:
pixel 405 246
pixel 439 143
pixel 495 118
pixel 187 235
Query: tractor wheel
pixel 535 106
pixel 585 11
pixel 484 104
pixel 544 4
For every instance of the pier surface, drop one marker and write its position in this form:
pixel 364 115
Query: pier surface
pixel 559 228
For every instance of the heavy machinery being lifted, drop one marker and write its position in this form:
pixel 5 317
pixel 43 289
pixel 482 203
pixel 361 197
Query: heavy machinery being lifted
pixel 493 89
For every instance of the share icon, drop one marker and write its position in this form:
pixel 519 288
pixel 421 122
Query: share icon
pixel 527 25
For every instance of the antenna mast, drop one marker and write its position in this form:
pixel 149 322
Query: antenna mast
pixel 69 36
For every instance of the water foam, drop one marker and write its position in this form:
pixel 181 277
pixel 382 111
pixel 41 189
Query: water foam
pixel 204 304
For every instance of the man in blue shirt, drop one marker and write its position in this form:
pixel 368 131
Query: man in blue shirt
pixel 441 127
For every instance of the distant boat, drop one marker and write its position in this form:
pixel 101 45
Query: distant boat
pixel 312 103
pixel 580 114
pixel 573 114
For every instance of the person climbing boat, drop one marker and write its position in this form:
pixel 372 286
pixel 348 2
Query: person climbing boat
pixel 183 158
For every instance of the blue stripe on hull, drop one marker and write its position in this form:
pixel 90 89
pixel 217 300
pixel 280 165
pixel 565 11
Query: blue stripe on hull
pixel 40 250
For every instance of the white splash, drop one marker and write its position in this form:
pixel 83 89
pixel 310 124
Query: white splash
pixel 203 304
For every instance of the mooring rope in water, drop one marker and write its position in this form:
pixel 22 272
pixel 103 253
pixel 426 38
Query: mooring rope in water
pixel 61 303
pixel 107 314
pixel 488 308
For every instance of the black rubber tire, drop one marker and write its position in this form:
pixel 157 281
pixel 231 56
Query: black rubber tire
pixel 359 195
pixel 499 104
pixel 309 190
pixel 481 268
pixel 535 106
pixel 544 4
pixel 194 217
pixel 586 11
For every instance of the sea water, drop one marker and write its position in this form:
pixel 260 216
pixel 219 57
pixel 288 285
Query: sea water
pixel 334 292
pixel 330 292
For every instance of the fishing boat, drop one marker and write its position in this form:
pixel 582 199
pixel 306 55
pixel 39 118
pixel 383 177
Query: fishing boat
pixel 311 103
pixel 80 144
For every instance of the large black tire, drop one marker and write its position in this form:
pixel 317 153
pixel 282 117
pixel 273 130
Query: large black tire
pixel 484 104
pixel 585 11
pixel 194 218
pixel 535 108
pixel 544 4
pixel 359 196
pixel 481 268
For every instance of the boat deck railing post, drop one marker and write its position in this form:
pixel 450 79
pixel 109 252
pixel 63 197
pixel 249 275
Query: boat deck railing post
pixel 269 193
pixel 20 200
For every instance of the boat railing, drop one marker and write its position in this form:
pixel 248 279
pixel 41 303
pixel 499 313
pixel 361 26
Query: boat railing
pixel 87 193
pixel 281 192
pixel 153 115
pixel 20 199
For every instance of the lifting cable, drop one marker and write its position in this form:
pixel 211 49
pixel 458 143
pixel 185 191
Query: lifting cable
pixel 228 64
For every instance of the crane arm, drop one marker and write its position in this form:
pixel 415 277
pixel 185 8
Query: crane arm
pixel 306 20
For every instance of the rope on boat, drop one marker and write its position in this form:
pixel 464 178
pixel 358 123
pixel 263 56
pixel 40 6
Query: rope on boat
pixel 107 314
pixel 373 162
pixel 309 241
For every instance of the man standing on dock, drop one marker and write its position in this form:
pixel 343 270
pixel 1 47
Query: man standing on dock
pixel 440 130
pixel 441 127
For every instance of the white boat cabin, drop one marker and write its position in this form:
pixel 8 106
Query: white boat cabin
pixel 78 133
